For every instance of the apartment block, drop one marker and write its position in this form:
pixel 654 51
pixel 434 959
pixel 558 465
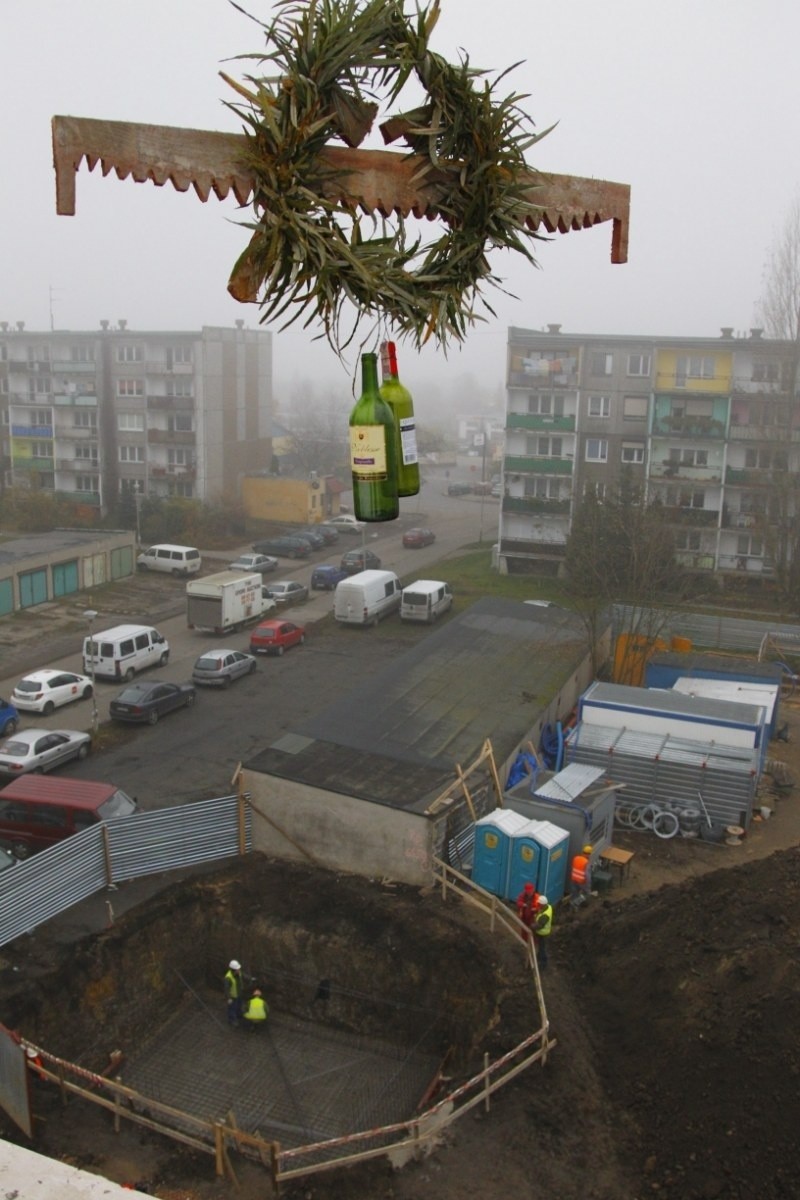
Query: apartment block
pixel 706 425
pixel 90 415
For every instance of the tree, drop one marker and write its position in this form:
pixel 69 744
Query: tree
pixel 779 313
pixel 621 552
pixel 318 434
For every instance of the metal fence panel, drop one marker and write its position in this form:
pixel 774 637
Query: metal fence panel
pixel 714 632
pixel 148 843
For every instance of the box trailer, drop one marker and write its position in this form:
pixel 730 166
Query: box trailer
pixel 226 601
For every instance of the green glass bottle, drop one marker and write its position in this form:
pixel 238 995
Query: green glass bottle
pixel 401 404
pixel 373 450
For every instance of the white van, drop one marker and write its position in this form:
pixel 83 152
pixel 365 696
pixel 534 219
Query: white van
pixel 176 560
pixel 364 598
pixel 120 652
pixel 425 600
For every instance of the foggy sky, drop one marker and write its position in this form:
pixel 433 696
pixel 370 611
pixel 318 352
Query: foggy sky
pixel 695 105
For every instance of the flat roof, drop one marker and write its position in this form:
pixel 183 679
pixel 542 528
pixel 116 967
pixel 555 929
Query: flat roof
pixel 56 540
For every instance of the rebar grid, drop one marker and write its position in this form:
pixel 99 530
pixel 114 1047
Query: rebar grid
pixel 293 1081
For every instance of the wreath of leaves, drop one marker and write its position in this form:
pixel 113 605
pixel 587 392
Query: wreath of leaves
pixel 330 63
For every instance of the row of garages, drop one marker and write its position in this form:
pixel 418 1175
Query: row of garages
pixel 41 567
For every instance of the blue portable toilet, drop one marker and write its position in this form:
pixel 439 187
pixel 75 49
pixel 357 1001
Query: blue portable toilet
pixel 491 855
pixel 523 862
pixel 553 860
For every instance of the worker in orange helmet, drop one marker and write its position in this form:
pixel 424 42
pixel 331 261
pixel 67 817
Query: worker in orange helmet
pixel 526 908
pixel 580 877
pixel 542 928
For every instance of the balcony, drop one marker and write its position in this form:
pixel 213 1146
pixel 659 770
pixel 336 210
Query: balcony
pixel 75 399
pixel 547 381
pixel 555 549
pixel 704 518
pixel 171 403
pixel 757 476
pixel 682 426
pixel 90 498
pixel 68 367
pixel 763 433
pixel 31 464
pixel 538 421
pixel 695 560
pixel 535 504
pixel 77 464
pixel 537 466
pixel 171 437
pixel 32 431
pixel 686 472
pixel 76 432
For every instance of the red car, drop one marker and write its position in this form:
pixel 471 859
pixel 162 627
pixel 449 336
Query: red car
pixel 273 637
pixel 414 539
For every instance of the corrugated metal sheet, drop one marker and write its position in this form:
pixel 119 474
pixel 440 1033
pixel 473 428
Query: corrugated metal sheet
pixel 570 783
pixel 14 1095
pixel 143 844
pixel 672 771
pixel 712 632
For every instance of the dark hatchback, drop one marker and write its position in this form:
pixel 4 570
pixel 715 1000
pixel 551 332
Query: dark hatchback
pixel 147 702
pixel 325 577
pixel 359 560
pixel 283 547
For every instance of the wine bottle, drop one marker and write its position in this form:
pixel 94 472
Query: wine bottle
pixel 399 399
pixel 373 450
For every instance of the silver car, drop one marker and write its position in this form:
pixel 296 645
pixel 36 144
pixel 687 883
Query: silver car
pixel 288 591
pixel 219 668
pixel 41 750
pixel 254 562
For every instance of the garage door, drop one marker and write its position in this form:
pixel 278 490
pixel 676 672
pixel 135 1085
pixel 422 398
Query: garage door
pixel 65 578
pixel 33 588
pixel 122 562
pixel 6 597
pixel 94 570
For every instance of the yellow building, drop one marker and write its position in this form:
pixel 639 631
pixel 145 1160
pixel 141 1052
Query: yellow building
pixel 280 498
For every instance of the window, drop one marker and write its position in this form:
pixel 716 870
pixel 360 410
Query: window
pixel 634 408
pixel 599 406
pixel 547 447
pixel 182 489
pixel 130 422
pixel 179 457
pixel 600 364
pixel 39 354
pixel 130 387
pixel 41 449
pixel 750 544
pixel 597 490
pixel 81 354
pixel 86 450
pixel 638 364
pixel 180 423
pixel 545 404
pixel 633 452
pixel 39 385
pixel 86 483
pixel 766 372
pixel 596 450
pixel 684 498
pixel 84 419
pixel 3 385
pixel 178 354
pixel 542 488
pixel 131 454
pixel 765 460
pixel 3 352
pixel 688 457
pixel 39 416
pixel 693 366
pixel 130 354
pixel 687 539
pixel 179 387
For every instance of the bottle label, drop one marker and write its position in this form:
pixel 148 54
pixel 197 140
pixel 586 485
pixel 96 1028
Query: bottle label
pixel 408 441
pixel 368 452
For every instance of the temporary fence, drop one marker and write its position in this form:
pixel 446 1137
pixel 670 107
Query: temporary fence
pixel 710 631
pixel 404 1138
pixel 112 852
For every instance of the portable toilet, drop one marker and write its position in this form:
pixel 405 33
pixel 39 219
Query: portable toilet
pixel 491 854
pixel 553 860
pixel 523 861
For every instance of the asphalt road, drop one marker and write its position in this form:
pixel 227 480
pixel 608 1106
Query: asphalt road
pixel 192 754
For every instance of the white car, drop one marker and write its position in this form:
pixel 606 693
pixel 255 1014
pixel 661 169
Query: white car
pixel 44 691
pixel 41 750
pixel 254 562
pixel 345 523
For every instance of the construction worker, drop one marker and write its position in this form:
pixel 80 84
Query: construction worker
pixel 542 928
pixel 526 908
pixel 234 985
pixel 580 878
pixel 34 1060
pixel 257 1010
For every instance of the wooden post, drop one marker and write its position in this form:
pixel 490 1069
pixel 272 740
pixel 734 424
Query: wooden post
pixel 275 1157
pixel 219 1148
pixel 487 1098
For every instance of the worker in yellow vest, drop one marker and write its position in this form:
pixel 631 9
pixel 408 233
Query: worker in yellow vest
pixel 234 987
pixel 257 1010
pixel 542 928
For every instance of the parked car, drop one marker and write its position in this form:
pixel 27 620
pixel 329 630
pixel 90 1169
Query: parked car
pixel 345 523
pixel 414 539
pixel 9 718
pixel 263 563
pixel 273 637
pixel 43 691
pixel 329 532
pixel 219 668
pixel 459 489
pixel 284 547
pixel 288 591
pixel 41 750
pixel 7 859
pixel 313 536
pixel 325 577
pixel 150 701
pixel 359 560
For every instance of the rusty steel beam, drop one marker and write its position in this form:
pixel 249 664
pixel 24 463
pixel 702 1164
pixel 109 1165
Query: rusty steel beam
pixel 379 181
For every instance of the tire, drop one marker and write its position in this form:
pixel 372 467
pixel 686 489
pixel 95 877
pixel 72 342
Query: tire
pixel 280 651
pixel 226 683
pixel 9 727
pixel 190 701
pixel 162 662
pixel 49 708
pixel 175 573
pixel 666 825
pixel 253 666
pixel 152 718
pixel 20 850
pixel 129 674
pixel 87 691
pixel 302 638
pixel 83 752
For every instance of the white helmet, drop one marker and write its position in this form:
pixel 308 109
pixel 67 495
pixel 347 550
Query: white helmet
pixel 234 965
pixel 543 901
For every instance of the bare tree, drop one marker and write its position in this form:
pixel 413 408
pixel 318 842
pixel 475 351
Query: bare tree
pixel 779 307
pixel 318 432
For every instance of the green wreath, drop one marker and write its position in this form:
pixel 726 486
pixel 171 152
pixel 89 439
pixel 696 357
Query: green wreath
pixel 332 61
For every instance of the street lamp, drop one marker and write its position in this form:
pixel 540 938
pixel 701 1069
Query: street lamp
pixel 90 615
